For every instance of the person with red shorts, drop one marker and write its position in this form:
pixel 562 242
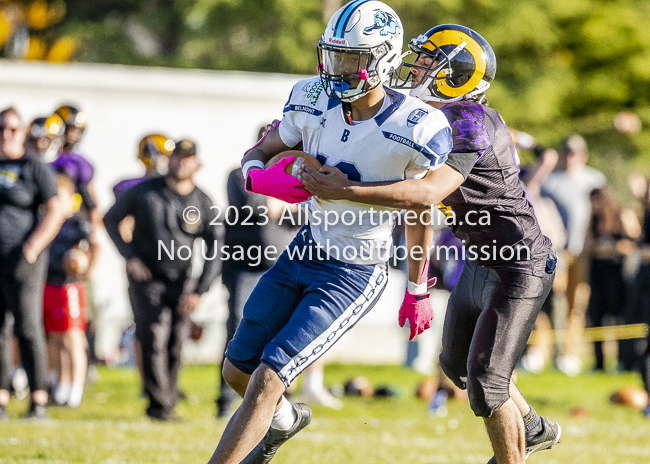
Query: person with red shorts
pixel 65 303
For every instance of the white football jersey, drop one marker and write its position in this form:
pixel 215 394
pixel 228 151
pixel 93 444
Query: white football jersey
pixel 405 140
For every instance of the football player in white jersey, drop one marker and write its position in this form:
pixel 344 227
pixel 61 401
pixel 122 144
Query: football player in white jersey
pixel 334 271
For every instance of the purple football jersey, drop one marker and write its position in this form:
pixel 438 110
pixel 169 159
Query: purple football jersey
pixel 125 185
pixel 492 190
pixel 75 166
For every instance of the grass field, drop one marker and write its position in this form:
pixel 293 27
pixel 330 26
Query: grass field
pixel 109 427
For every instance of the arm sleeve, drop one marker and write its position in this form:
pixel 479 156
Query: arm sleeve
pixel 123 207
pixel 432 155
pixel 288 130
pixel 212 266
pixel 45 181
pixel 86 197
pixel 462 162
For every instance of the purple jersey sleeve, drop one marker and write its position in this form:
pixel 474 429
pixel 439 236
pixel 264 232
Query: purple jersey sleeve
pixel 468 130
pixel 125 185
pixel 75 166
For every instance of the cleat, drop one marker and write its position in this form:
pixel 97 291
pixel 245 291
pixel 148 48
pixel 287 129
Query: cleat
pixel 551 435
pixel 266 449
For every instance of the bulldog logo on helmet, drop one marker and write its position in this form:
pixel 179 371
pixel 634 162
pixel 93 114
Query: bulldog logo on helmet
pixel 384 22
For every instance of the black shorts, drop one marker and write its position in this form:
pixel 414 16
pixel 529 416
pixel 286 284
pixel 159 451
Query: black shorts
pixel 490 315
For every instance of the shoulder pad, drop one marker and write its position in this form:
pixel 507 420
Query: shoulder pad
pixel 308 92
pixel 469 133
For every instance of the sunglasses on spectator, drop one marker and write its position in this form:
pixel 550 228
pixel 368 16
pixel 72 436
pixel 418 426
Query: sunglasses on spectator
pixel 12 129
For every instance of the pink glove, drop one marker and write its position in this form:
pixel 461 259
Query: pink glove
pixel 275 182
pixel 417 308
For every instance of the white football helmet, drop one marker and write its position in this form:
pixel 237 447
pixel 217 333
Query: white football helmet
pixel 360 48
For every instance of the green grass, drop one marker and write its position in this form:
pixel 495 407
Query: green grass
pixel 109 427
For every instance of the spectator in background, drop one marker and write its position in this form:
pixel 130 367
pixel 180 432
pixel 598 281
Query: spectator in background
pixel 77 167
pixel 607 243
pixel 26 186
pixel 446 265
pixel 640 301
pixel 73 163
pixel 44 136
pixel 153 151
pixel 570 188
pixel 41 140
pixel 169 213
pixel 540 349
pixel 65 310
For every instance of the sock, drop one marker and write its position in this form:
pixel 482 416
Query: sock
pixel 313 381
pixel 284 417
pixel 76 392
pixel 533 424
pixel 53 378
pixel 62 393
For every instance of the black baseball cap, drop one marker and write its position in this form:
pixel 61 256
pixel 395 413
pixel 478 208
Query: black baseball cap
pixel 184 148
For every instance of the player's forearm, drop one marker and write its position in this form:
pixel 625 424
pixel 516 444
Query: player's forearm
pixel 418 240
pixel 112 220
pixel 408 194
pixel 411 194
pixel 255 154
pixel 268 146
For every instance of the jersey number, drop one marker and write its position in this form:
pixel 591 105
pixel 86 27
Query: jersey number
pixel 346 168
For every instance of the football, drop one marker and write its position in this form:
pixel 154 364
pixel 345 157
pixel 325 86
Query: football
pixel 632 396
pixel 300 158
pixel 427 388
pixel 76 262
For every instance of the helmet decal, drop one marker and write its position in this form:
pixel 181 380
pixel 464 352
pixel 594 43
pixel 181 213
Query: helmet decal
pixel 384 22
pixel 454 37
pixel 342 23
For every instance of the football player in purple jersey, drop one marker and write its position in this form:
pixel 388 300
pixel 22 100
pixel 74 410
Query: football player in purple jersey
pixel 153 151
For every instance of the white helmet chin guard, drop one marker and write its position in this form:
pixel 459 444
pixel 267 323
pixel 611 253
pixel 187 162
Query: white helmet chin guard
pixel 360 49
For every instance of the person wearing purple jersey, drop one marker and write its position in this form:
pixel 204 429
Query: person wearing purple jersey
pixel 75 166
pixel 509 265
pixel 153 151
pixel 70 161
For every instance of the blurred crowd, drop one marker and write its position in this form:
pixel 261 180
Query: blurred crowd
pixel 49 222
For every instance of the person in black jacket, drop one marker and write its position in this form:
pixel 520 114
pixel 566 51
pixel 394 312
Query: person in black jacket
pixel 27 186
pixel 169 213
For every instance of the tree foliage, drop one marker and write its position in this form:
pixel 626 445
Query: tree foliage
pixel 562 66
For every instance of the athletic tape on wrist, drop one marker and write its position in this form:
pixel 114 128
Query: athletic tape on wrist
pixel 250 165
pixel 417 289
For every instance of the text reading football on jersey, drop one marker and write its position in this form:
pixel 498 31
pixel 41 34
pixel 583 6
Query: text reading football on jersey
pixel 405 140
